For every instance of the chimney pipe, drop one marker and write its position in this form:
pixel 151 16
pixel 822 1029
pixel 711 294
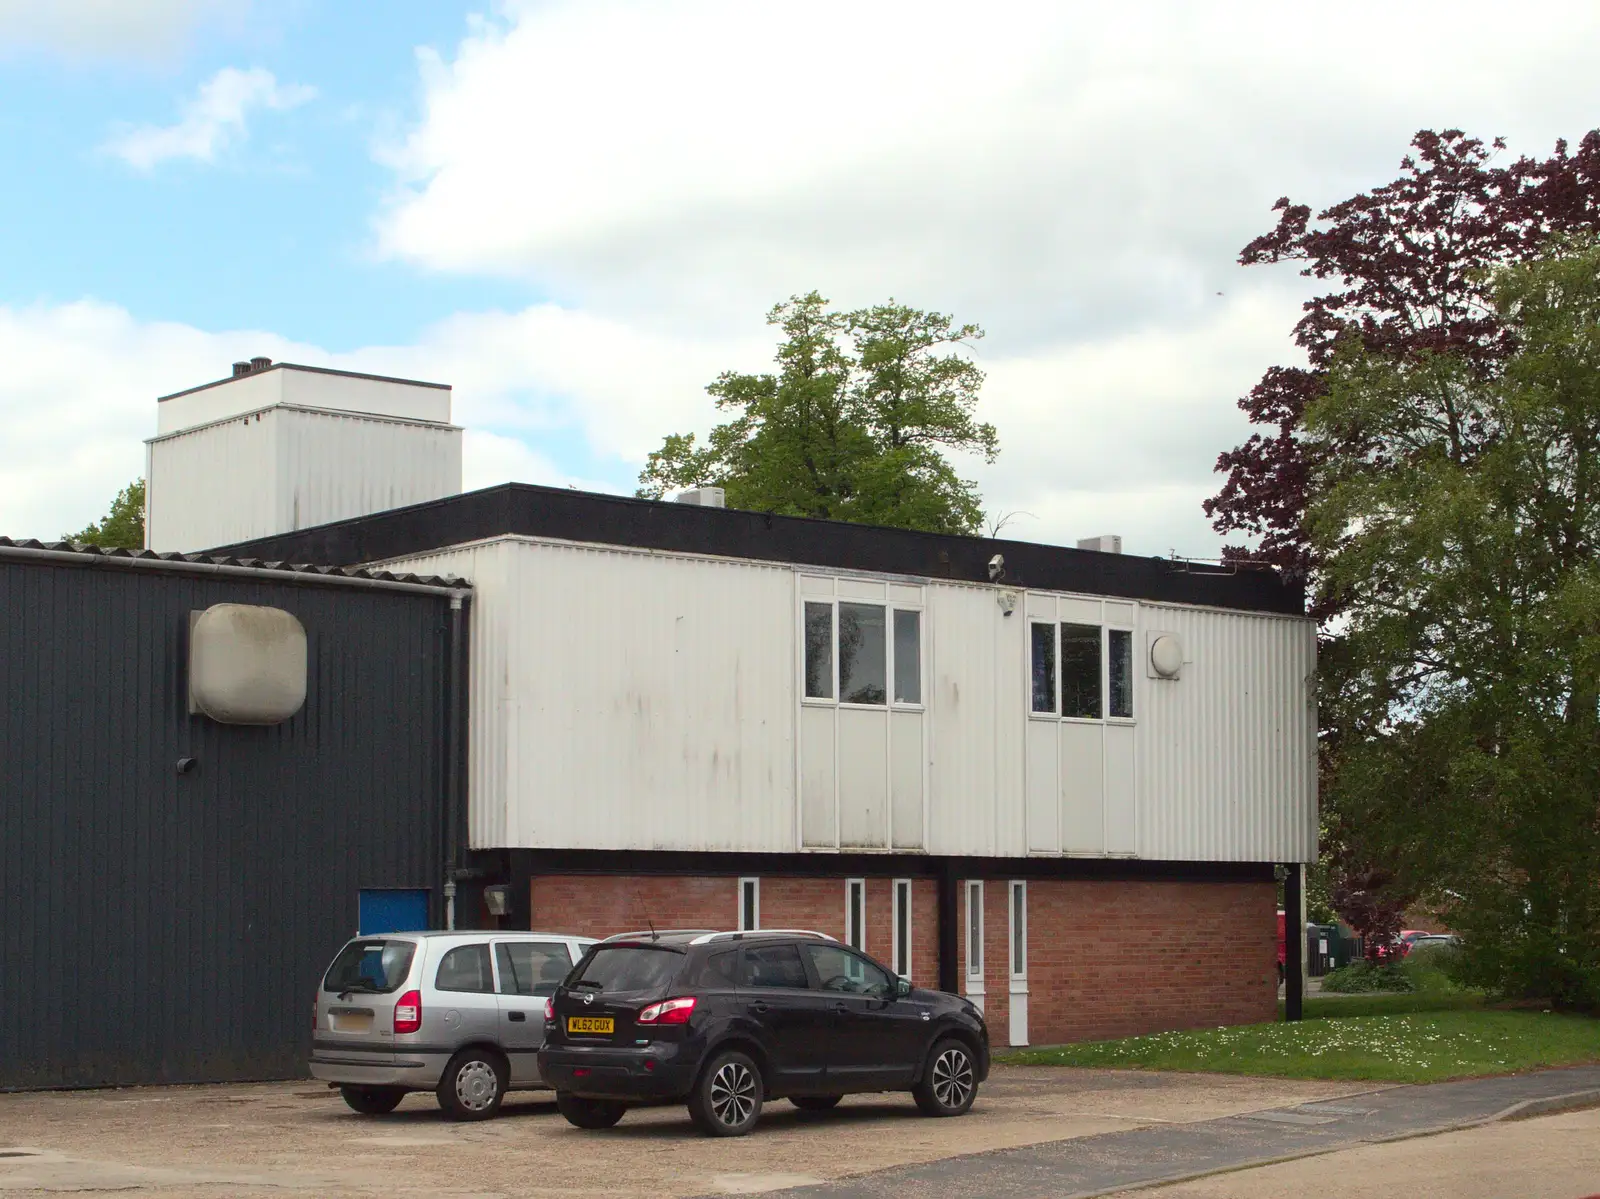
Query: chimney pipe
pixel 240 368
pixel 260 364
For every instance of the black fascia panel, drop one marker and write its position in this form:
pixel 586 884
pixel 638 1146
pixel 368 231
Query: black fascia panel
pixel 579 516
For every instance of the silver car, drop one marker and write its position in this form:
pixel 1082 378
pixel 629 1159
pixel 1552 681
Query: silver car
pixel 460 1014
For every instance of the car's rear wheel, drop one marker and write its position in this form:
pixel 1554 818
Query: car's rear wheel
pixel 473 1085
pixel 815 1103
pixel 589 1113
pixel 950 1082
pixel 372 1101
pixel 726 1102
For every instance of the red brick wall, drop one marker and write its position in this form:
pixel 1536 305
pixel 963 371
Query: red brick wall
pixel 1115 959
pixel 1105 959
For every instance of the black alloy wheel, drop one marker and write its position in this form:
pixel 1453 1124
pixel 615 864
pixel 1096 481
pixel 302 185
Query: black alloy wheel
pixel 949 1084
pixel 726 1102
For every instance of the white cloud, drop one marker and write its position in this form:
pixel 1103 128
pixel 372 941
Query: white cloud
pixel 120 28
pixel 211 121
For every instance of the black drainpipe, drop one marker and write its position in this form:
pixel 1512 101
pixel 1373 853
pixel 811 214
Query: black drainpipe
pixel 949 935
pixel 455 753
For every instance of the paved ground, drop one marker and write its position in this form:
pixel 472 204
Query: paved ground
pixel 1112 1162
pixel 1552 1157
pixel 298 1139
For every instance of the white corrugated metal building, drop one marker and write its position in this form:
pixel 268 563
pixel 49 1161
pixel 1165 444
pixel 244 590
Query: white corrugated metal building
pixel 1056 779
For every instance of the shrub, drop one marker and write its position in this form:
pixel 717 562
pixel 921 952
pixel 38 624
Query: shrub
pixel 1361 977
pixel 1433 969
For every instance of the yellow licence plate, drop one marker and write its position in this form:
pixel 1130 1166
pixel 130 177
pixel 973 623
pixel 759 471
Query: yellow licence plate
pixel 602 1024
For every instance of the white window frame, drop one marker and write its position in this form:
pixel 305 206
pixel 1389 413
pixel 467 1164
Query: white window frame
pixel 889 609
pixel 750 920
pixel 900 906
pixel 855 937
pixel 1017 936
pixel 1017 925
pixel 1106 629
pixel 974 890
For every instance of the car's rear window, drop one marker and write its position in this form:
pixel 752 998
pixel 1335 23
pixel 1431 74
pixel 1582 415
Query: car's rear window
pixel 628 968
pixel 375 966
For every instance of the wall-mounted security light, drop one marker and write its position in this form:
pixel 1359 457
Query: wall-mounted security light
pixel 497 899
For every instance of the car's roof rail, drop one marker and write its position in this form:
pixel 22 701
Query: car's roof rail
pixel 652 933
pixel 762 932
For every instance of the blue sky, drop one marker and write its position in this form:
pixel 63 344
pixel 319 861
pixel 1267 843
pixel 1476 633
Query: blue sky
pixel 577 212
pixel 276 232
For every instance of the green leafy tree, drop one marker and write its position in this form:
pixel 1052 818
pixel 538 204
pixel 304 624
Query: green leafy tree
pixel 853 425
pixel 122 527
pixel 1463 545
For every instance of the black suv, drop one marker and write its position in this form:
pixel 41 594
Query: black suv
pixel 724 1021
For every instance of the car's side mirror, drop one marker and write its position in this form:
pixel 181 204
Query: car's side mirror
pixel 902 987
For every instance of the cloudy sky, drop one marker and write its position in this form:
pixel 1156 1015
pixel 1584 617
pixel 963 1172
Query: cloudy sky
pixel 578 213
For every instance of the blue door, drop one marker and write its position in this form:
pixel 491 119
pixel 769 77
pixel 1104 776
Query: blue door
pixel 390 911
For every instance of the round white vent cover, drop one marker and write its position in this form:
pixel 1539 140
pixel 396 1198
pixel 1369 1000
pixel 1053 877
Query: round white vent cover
pixel 1166 656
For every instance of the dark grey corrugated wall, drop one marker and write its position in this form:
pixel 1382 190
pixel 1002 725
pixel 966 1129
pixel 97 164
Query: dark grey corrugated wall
pixel 158 927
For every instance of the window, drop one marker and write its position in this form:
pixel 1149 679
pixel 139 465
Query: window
pixel 465 968
pixel 532 967
pixel 975 930
pixel 749 904
pixel 376 967
pixel 1120 672
pixel 1019 930
pixel 907 656
pixel 1080 671
pixel 1044 668
pixel 773 966
pixel 855 912
pixel 718 970
pixel 840 970
pixel 863 654
pixel 902 927
pixel 819 651
pixel 855 650
pixel 624 967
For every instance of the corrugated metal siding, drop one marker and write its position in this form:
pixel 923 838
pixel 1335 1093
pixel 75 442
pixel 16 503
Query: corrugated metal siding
pixel 161 927
pixel 1226 762
pixel 494 613
pixel 332 466
pixel 628 700
pixel 214 486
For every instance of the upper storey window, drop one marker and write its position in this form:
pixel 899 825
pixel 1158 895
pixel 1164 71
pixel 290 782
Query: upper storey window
pixel 1080 671
pixel 864 654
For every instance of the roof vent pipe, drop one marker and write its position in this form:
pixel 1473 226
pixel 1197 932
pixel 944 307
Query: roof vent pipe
pixel 240 368
pixel 260 364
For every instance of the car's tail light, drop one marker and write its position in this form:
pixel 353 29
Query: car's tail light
pixel 668 1011
pixel 550 1008
pixel 408 1012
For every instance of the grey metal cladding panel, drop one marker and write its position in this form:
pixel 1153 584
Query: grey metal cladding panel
pixel 164 927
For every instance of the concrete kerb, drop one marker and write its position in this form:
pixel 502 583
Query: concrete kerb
pixel 1527 1109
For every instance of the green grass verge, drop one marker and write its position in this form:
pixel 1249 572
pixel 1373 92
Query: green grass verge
pixel 1318 1007
pixel 1387 1043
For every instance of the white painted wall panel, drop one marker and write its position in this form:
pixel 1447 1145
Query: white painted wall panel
pixel 863 778
pixel 214 486
pixel 307 388
pixel 1044 786
pixel 333 466
pixel 907 780
pixel 1121 794
pixel 964 639
pixel 1083 788
pixel 233 398
pixel 1226 753
pixel 818 775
